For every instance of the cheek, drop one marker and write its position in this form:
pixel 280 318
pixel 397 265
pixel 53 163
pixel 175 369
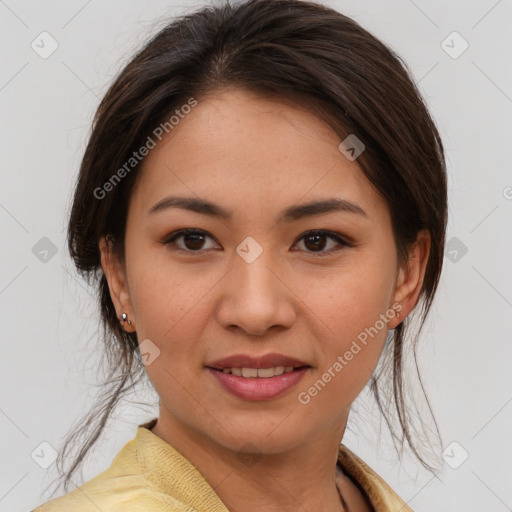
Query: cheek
pixel 347 359
pixel 168 300
pixel 172 310
pixel 349 312
pixel 349 298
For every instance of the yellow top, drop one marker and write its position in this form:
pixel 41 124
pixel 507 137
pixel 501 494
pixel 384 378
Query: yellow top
pixel 149 475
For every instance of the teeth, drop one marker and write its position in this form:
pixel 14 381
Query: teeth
pixel 249 372
pixel 263 373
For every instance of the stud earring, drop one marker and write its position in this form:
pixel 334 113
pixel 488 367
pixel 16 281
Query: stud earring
pixel 124 318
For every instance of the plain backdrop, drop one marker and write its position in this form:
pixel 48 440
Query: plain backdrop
pixel 49 317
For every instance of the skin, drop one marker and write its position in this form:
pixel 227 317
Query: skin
pixel 256 156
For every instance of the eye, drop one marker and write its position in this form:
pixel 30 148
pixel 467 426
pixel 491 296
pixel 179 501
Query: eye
pixel 316 240
pixel 193 240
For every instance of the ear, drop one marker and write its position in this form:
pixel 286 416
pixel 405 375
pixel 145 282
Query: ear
pixel 410 279
pixel 117 283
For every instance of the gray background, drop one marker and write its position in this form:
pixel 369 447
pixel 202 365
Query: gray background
pixel 50 351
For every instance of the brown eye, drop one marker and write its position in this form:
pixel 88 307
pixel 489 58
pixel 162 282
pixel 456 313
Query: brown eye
pixel 316 241
pixel 193 240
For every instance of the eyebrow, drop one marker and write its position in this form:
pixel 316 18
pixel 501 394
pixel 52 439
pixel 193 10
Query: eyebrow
pixel 289 214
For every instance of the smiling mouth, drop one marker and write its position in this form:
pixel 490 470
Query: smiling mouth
pixel 261 373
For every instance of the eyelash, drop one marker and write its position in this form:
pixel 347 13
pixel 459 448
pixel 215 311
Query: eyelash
pixel 342 242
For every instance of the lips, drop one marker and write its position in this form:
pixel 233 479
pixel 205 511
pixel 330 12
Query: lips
pixel 248 361
pixel 258 389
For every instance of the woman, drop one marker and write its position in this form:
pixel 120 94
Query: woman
pixel 263 201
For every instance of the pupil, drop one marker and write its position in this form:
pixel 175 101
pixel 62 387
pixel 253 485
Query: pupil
pixel 196 239
pixel 316 244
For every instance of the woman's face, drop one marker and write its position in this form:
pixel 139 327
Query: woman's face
pixel 257 282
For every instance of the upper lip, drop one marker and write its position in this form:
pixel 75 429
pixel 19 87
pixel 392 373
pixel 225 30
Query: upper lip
pixel 248 361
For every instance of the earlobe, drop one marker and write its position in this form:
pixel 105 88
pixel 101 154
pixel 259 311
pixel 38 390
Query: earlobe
pixel 116 279
pixel 410 278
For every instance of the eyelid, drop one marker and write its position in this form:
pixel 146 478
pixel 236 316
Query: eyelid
pixel 341 241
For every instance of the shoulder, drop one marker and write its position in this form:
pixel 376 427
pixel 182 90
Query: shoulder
pixel 122 487
pixel 109 501
pixel 107 493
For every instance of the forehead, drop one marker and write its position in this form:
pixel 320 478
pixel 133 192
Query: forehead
pixel 249 153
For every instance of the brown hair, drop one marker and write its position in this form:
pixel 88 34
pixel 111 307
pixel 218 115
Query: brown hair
pixel 296 50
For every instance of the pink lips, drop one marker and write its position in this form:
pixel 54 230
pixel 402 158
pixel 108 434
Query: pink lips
pixel 257 388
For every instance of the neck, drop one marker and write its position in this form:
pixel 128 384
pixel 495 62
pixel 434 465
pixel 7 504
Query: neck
pixel 301 477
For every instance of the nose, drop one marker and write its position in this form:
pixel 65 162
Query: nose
pixel 256 297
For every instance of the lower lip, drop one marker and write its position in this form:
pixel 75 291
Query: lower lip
pixel 258 388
